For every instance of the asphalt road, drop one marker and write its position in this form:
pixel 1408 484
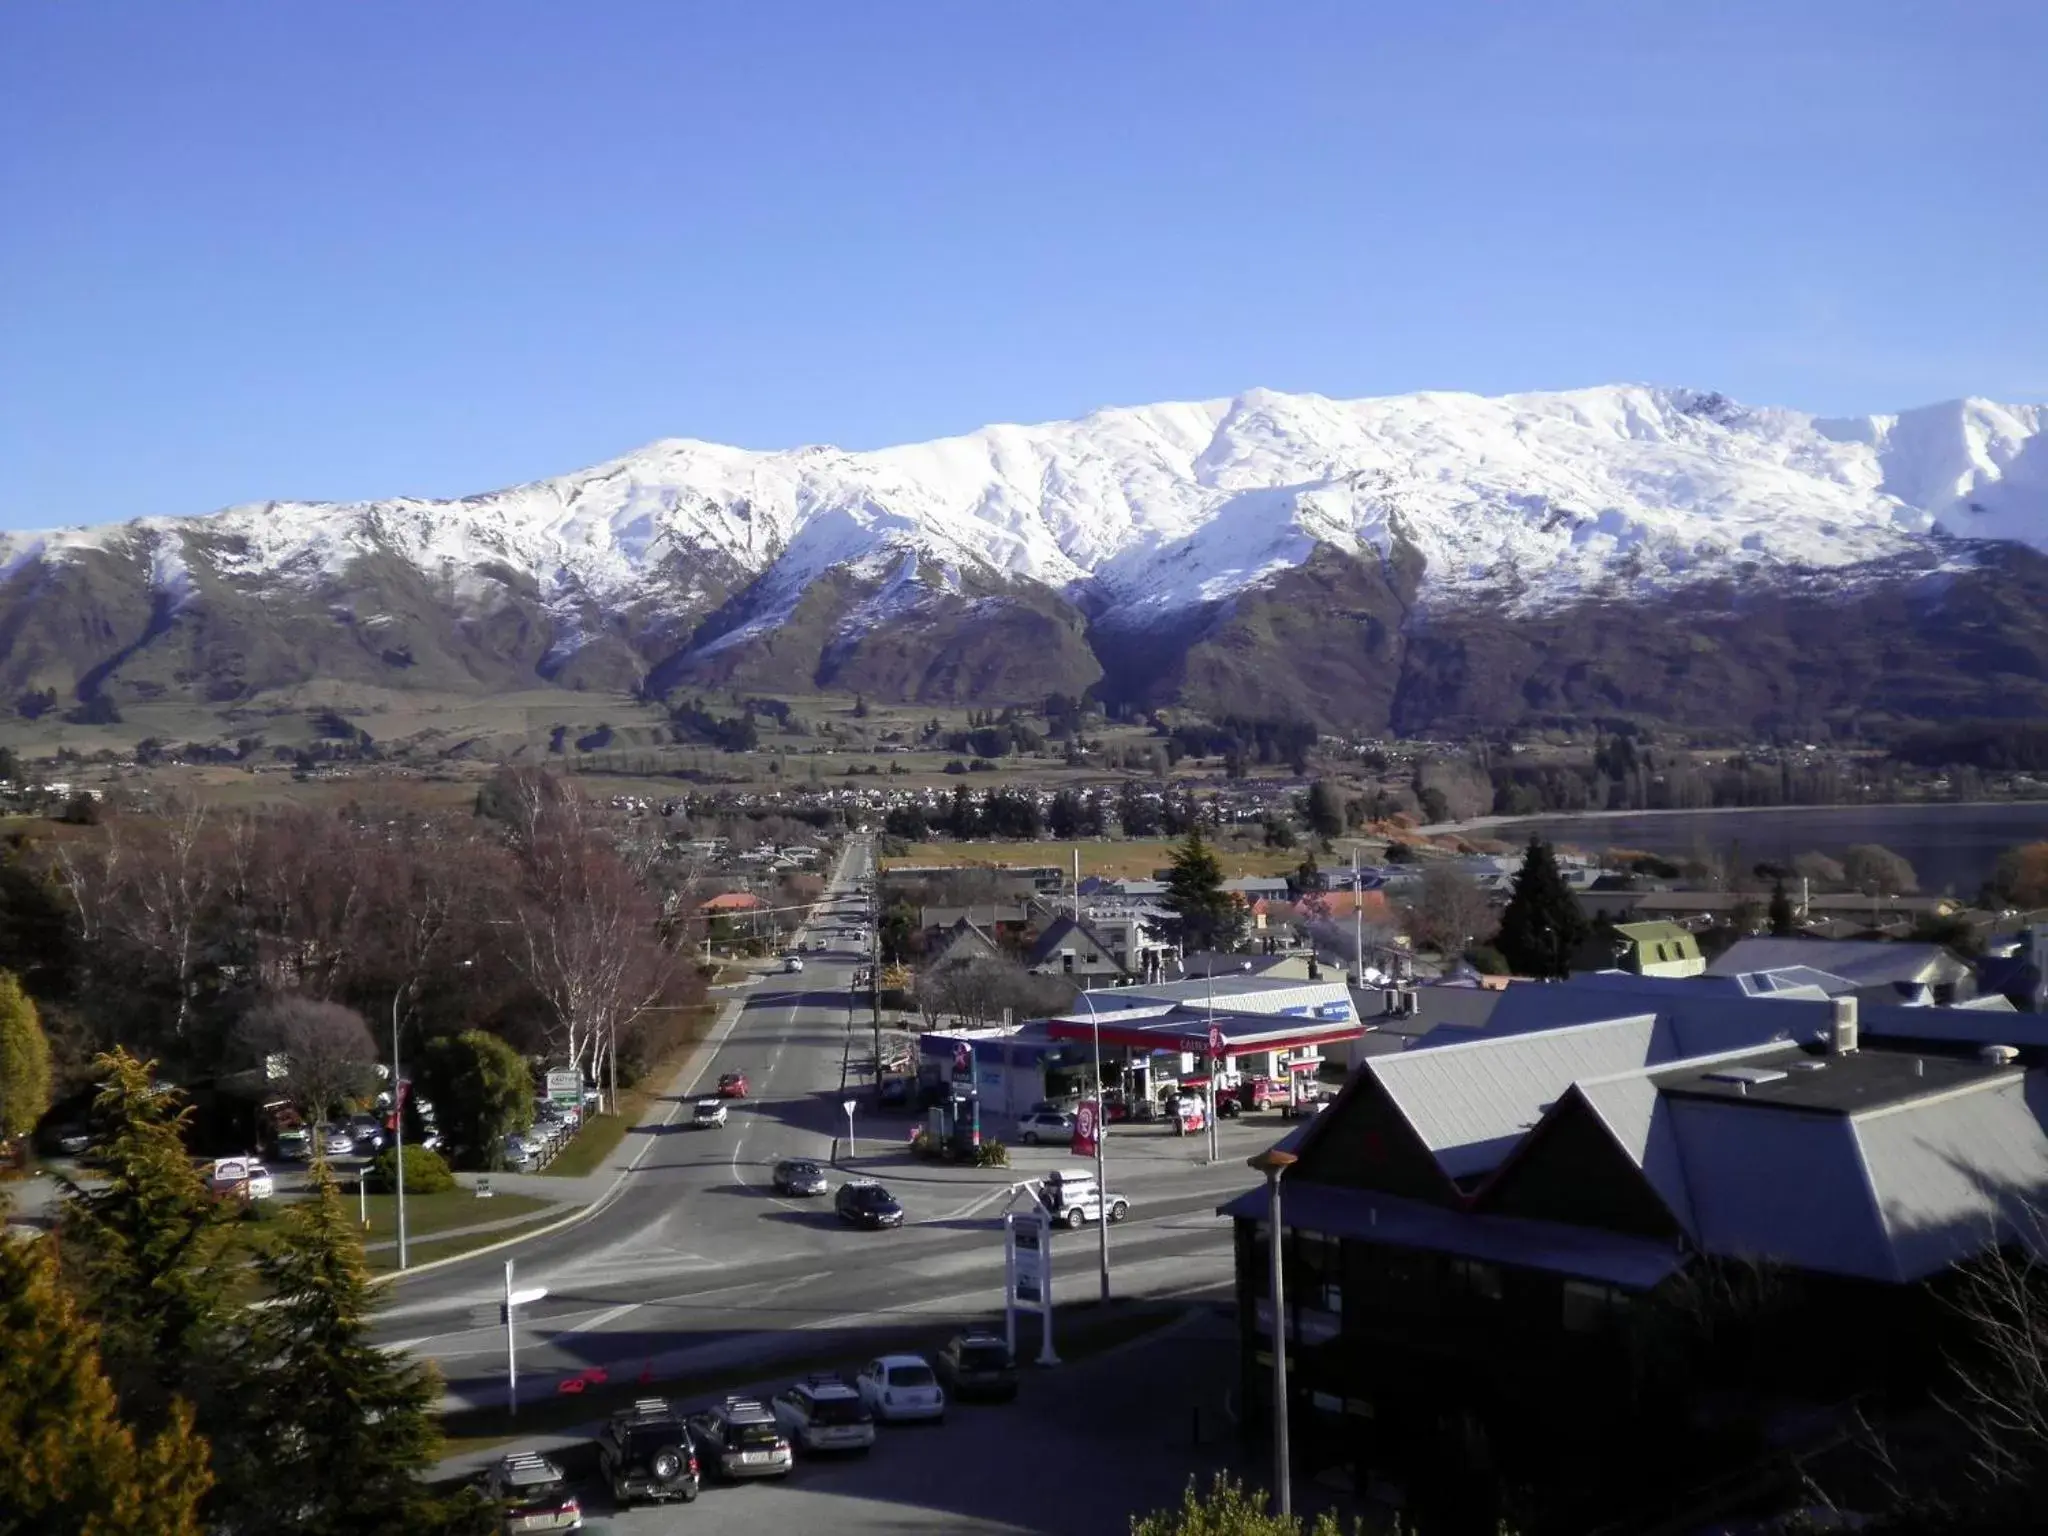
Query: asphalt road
pixel 695 1263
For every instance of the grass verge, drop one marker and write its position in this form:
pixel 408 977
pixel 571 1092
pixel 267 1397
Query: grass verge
pixel 592 1146
pixel 427 1214
pixel 1080 1333
pixel 384 1260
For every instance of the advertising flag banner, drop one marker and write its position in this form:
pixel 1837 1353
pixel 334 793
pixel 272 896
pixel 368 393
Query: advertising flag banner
pixel 1087 1126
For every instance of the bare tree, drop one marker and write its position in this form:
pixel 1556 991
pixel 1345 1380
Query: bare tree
pixel 318 1053
pixel 162 902
pixel 1450 910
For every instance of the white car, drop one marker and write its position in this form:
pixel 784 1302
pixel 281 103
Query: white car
pixel 901 1388
pixel 792 963
pixel 710 1114
pixel 1045 1125
pixel 241 1177
pixel 822 1413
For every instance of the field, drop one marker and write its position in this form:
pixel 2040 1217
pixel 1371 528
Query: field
pixel 1123 861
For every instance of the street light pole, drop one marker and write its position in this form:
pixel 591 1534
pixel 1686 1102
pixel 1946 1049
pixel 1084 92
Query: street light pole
pixel 1273 1162
pixel 1101 1137
pixel 398 1124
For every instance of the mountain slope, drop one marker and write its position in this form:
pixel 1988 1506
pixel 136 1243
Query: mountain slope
pixel 1187 550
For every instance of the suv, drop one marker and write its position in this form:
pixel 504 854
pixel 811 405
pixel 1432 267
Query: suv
pixel 822 1413
pixel 864 1203
pixel 978 1365
pixel 533 1495
pixel 709 1114
pixel 646 1454
pixel 741 1439
pixel 1072 1197
pixel 792 963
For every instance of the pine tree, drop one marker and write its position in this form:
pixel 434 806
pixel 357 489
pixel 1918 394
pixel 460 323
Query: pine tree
pixel 1543 924
pixel 24 1062
pixel 1783 925
pixel 1325 809
pixel 347 1428
pixel 67 1462
pixel 1205 915
pixel 144 1246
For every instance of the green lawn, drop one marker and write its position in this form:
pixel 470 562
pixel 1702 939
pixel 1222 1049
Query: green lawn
pixel 384 1260
pixel 427 1214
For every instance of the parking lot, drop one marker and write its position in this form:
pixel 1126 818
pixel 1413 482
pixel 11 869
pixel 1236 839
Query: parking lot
pixel 1083 1447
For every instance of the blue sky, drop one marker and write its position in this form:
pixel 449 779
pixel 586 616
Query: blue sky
pixel 253 250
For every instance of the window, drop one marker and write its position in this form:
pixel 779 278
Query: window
pixel 1476 1277
pixel 1318 1274
pixel 1591 1308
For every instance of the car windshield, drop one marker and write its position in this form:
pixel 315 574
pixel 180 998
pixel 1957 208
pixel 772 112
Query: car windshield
pixel 910 1375
pixel 835 1410
pixel 984 1357
pixel 755 1436
pixel 803 1170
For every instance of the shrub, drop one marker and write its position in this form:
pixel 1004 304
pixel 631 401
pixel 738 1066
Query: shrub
pixel 426 1171
pixel 991 1154
pixel 924 1144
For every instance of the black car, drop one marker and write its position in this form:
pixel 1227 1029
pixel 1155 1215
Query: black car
pixel 977 1365
pixel 799 1176
pixel 647 1453
pixel 864 1203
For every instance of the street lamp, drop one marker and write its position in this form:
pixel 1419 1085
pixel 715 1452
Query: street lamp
pixel 1101 1136
pixel 1272 1163
pixel 398 1116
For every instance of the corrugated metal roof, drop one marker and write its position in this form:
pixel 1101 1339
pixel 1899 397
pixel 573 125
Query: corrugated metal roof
pixel 1472 1102
pixel 1951 1174
pixel 1866 962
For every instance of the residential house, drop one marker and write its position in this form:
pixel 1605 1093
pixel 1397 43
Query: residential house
pixel 1874 970
pixel 1645 949
pixel 1076 949
pixel 962 944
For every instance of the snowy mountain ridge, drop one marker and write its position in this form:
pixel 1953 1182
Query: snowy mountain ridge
pixel 1530 501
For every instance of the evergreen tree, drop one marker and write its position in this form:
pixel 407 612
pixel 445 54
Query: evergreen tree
pixel 1543 924
pixel 67 1463
pixel 347 1427
pixel 24 1062
pixel 1066 815
pixel 1205 915
pixel 1783 925
pixel 144 1246
pixel 1229 1509
pixel 480 1090
pixel 1325 809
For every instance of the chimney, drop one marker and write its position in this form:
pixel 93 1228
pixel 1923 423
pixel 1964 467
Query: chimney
pixel 1842 1036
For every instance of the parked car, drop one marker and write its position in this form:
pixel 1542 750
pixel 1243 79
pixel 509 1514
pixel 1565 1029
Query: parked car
pixel 902 1388
pixel 335 1141
pixel 710 1114
pixel 1045 1125
pixel 518 1153
pixel 798 1176
pixel 533 1495
pixel 647 1453
pixel 733 1085
pixel 68 1140
pixel 295 1146
pixel 977 1365
pixel 864 1203
pixel 367 1135
pixel 823 1413
pixel 1305 1107
pixel 740 1438
pixel 240 1178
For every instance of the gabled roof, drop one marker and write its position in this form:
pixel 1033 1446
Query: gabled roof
pixel 1065 933
pixel 1863 963
pixel 1472 1102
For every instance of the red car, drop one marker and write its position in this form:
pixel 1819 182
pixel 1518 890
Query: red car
pixel 733 1086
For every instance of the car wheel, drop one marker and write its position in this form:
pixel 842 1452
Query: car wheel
pixel 1031 1138
pixel 667 1464
pixel 689 1495
pixel 1074 1220
pixel 1119 1211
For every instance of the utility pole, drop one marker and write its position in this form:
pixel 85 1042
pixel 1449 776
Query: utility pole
pixel 1357 918
pixel 1272 1163
pixel 398 1122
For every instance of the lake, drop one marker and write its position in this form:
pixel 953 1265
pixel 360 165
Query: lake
pixel 1951 847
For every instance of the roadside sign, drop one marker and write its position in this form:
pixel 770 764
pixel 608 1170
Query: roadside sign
pixel 963 1057
pixel 565 1086
pixel 1215 1040
pixel 1087 1127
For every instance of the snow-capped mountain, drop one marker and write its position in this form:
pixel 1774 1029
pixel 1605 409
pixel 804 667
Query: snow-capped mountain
pixel 1127 520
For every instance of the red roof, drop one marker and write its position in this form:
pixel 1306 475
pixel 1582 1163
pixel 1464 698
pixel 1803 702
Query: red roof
pixel 732 901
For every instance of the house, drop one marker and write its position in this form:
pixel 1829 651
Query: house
pixel 1498 1254
pixel 1645 949
pixel 730 902
pixel 1070 948
pixel 994 917
pixel 1293 965
pixel 962 944
pixel 1874 970
pixel 2017 970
